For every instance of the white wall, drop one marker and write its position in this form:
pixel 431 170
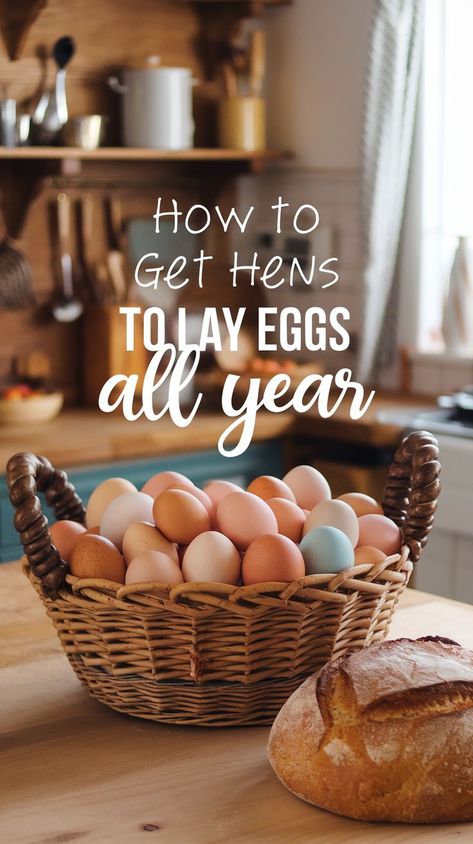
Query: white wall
pixel 317 52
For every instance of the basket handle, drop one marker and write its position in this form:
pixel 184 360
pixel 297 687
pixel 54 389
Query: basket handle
pixel 28 474
pixel 412 489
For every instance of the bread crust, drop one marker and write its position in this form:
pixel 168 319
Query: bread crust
pixel 383 734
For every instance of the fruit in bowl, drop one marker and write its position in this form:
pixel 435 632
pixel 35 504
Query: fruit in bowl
pixel 20 404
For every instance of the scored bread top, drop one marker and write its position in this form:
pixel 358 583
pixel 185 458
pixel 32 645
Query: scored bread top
pixel 397 679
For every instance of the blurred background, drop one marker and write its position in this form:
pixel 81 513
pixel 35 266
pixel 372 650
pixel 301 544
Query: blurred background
pixel 361 108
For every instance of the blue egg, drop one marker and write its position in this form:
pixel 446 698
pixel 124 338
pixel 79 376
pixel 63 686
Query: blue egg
pixel 326 550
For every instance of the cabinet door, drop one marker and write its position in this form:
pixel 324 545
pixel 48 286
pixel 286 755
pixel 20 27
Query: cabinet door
pixel 200 467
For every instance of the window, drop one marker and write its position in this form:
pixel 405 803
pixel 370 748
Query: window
pixel 447 154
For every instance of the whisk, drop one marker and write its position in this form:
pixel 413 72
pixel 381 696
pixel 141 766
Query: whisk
pixel 16 278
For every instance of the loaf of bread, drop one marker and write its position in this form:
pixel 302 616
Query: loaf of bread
pixel 383 734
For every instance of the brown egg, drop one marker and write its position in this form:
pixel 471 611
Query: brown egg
pixel 266 486
pixel 94 531
pixel 272 558
pixel 200 495
pixel 96 556
pixel 143 536
pixel 64 535
pixel 368 554
pixel 362 504
pixel 180 516
pixel 289 516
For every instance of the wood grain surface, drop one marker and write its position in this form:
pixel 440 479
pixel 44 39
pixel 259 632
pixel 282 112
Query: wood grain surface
pixel 72 770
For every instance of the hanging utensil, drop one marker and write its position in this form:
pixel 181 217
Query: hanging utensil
pixel 16 281
pixel 66 308
pixel 51 113
pixel 115 257
pixel 257 62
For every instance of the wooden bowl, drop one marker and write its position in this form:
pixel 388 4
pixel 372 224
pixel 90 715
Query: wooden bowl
pixel 30 410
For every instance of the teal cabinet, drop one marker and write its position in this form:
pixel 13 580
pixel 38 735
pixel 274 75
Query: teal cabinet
pixel 264 458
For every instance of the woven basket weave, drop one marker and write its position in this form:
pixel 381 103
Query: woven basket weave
pixel 208 653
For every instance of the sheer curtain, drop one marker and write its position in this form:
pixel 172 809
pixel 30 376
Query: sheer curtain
pixel 392 84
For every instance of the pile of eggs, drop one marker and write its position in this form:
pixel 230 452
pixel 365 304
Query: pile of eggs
pixel 172 531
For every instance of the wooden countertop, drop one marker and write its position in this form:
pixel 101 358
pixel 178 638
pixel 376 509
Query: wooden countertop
pixel 77 771
pixel 86 436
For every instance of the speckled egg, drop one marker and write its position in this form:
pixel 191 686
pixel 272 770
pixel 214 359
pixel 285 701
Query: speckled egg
pixel 272 558
pixel 211 557
pixel 380 532
pixel 337 514
pixel 327 550
pixel 244 517
pixel 97 557
pixel 125 511
pixel 308 485
pixel 155 567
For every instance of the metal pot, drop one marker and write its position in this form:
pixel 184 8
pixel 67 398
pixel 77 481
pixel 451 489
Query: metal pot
pixel 157 106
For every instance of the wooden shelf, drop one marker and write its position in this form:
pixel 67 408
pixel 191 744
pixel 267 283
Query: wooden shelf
pixel 138 154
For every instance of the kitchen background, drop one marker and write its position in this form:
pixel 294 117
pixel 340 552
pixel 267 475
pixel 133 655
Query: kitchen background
pixel 89 195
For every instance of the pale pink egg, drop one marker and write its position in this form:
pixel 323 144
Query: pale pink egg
pixel 308 485
pixel 64 535
pixel 212 558
pixel 244 517
pixel 217 490
pixel 272 558
pixel 289 516
pixel 334 514
pixel 362 504
pixel 102 496
pixel 379 532
pixel 124 511
pixel 143 536
pixel 367 554
pixel 154 567
pixel 163 480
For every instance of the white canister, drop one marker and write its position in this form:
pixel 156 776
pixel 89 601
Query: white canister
pixel 157 106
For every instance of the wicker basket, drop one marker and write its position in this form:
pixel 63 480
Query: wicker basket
pixel 208 653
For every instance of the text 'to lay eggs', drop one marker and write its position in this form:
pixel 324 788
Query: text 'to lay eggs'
pixel 180 515
pixel 211 557
pixel 272 558
pixel 155 567
pixel 308 485
pixel 244 517
pixel 122 512
pixel 337 514
pixel 326 550
pixel 101 497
